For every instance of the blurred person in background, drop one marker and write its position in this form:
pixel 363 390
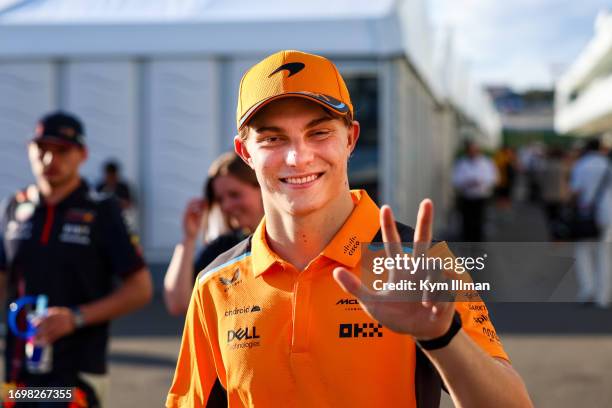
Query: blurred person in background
pixel 505 161
pixel 530 160
pixel 60 239
pixel 113 185
pixel 554 186
pixel 230 210
pixel 590 186
pixel 474 177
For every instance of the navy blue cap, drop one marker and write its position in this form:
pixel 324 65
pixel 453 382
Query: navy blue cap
pixel 60 127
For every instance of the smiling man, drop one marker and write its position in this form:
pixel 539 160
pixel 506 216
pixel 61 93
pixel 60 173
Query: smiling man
pixel 302 330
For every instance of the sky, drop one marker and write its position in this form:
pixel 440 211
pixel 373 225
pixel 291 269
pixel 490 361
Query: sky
pixel 522 43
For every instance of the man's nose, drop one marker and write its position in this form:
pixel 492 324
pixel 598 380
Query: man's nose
pixel 299 154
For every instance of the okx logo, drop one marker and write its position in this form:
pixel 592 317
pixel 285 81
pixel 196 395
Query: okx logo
pixel 353 330
pixel 243 338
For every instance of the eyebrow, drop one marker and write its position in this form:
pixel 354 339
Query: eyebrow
pixel 309 125
pixel 268 129
pixel 318 121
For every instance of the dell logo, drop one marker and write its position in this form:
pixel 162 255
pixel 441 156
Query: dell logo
pixel 242 334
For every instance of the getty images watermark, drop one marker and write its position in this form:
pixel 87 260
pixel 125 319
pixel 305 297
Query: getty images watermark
pixel 466 271
pixel 429 270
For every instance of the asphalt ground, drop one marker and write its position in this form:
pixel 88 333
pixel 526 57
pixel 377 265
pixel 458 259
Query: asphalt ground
pixel 562 350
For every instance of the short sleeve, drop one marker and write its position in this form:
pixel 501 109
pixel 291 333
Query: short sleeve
pixel 478 325
pixel 122 246
pixel 474 314
pixel 195 382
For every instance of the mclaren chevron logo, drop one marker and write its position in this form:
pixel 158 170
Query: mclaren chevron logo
pixel 292 67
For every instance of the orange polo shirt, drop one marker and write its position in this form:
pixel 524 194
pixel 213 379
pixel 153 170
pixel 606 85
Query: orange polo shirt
pixel 271 335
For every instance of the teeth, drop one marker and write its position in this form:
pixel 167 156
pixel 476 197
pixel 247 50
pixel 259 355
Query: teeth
pixel 301 180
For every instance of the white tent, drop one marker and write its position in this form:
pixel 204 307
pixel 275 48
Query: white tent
pixel 584 92
pixel 156 83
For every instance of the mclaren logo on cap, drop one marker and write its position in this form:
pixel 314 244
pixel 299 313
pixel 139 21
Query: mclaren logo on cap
pixel 292 67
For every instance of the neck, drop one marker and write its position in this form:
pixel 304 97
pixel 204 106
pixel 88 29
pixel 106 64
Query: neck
pixel 300 239
pixel 55 194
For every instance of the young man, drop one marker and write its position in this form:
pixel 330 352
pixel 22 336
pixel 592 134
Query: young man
pixel 270 322
pixel 590 183
pixel 474 177
pixel 59 239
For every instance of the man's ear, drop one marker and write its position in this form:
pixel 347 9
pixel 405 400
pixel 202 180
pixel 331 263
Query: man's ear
pixel 85 154
pixel 241 150
pixel 353 136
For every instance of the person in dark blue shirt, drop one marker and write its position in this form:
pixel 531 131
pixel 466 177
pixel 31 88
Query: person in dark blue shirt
pixel 59 239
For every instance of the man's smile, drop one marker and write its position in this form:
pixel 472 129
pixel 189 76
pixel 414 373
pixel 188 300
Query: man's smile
pixel 302 179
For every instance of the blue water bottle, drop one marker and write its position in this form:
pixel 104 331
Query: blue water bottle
pixel 39 358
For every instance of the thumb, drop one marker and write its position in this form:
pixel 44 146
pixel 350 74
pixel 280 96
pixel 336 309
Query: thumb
pixel 347 281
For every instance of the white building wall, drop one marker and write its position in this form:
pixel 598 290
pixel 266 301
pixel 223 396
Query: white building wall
pixel 103 94
pixel 423 149
pixel 26 90
pixel 165 120
pixel 182 126
pixel 234 70
pixel 159 119
pixel 388 112
pixel 583 102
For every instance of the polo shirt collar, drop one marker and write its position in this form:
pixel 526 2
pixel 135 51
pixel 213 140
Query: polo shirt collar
pixel 361 226
pixel 33 195
pixel 263 257
pixel 344 248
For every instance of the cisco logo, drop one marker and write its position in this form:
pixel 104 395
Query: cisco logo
pixel 351 246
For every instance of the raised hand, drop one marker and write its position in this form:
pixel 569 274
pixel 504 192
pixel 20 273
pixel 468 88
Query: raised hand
pixel 423 319
pixel 192 218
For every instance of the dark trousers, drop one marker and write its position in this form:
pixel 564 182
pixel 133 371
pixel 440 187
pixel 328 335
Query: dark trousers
pixel 472 218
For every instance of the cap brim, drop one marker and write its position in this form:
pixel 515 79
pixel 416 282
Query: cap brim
pixel 55 140
pixel 326 101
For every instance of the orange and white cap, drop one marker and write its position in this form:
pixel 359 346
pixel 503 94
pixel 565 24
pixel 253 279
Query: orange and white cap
pixel 292 74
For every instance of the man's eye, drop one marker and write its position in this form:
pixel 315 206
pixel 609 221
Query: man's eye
pixel 270 139
pixel 321 133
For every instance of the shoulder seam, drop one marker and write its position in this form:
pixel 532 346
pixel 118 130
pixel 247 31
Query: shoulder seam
pixel 207 274
pixel 235 254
